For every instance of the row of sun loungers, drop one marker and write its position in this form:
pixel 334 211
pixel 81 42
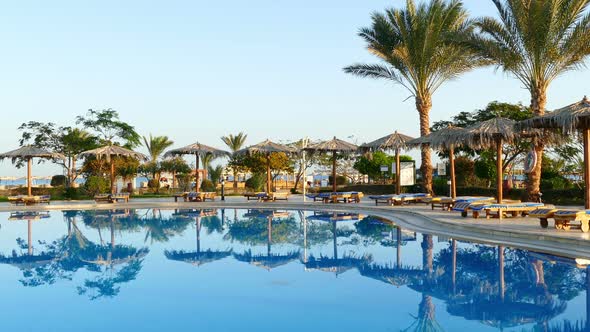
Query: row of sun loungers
pixel 112 198
pixel 337 197
pixel 195 196
pixel 29 200
pixel 267 197
pixel 400 199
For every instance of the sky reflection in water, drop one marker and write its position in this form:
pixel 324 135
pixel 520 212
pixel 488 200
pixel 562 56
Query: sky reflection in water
pixel 223 270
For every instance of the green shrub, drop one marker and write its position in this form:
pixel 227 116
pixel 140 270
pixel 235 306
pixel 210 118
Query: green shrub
pixel 58 181
pixel 97 185
pixel 256 182
pixel 208 185
pixel 184 181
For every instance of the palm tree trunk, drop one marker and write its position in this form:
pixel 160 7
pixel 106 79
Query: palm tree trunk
pixel 533 185
pixel 235 180
pixel 423 105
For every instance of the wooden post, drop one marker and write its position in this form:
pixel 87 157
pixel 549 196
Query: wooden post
pixel 452 167
pixel 29 177
pixel 398 183
pixel 197 172
pixel 268 175
pixel 499 174
pixel 113 189
pixel 334 171
pixel 586 138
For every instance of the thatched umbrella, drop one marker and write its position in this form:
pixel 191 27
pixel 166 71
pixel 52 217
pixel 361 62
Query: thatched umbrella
pixel 395 142
pixel 569 119
pixel 198 257
pixel 444 139
pixel 493 132
pixel 27 153
pixel 110 151
pixel 266 148
pixel 270 260
pixel 199 150
pixel 333 146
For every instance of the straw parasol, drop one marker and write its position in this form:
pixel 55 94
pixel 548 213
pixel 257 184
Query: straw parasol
pixel 110 151
pixel 395 142
pixel 333 146
pixel 445 139
pixel 266 148
pixel 493 132
pixel 28 152
pixel 199 150
pixel 571 118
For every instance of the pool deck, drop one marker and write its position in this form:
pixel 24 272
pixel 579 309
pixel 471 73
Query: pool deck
pixel 519 232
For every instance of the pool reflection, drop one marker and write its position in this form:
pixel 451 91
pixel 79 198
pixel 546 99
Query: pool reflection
pixel 498 287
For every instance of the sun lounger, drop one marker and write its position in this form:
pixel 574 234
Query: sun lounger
pixel 447 203
pixel 200 196
pixel 543 214
pixel 477 206
pixel 254 196
pixel 180 195
pixel 29 200
pixel 385 199
pixel 565 218
pixel 509 209
pixel 111 198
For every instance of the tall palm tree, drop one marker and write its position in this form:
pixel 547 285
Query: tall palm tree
pixel 536 41
pixel 156 145
pixel 415 45
pixel 235 143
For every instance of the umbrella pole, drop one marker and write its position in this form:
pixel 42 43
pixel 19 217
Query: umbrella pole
pixel 112 176
pixel 501 285
pixel 197 173
pixel 454 262
pixel 587 167
pixel 499 169
pixel 398 183
pixel 30 236
pixel 452 167
pixel 29 177
pixel 268 176
pixel 334 171
pixel 399 247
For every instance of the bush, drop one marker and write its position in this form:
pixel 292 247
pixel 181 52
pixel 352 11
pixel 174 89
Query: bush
pixel 58 181
pixel 256 182
pixel 97 185
pixel 340 180
pixel 184 181
pixel 208 185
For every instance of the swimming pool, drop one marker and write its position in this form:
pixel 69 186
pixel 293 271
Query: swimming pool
pixel 266 270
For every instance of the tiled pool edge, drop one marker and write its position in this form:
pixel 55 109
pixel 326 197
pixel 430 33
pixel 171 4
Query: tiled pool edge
pixel 414 220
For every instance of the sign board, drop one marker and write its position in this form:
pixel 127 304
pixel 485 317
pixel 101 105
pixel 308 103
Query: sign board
pixel 441 169
pixel 384 168
pixel 407 173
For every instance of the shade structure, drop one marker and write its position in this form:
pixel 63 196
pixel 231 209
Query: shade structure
pixel 27 153
pixel 395 142
pixel 198 257
pixel 199 150
pixel 333 146
pixel 444 139
pixel 491 133
pixel 269 260
pixel 569 119
pixel 266 148
pixel 110 151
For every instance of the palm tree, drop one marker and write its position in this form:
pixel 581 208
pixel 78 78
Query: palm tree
pixel 536 41
pixel 415 45
pixel 156 146
pixel 235 143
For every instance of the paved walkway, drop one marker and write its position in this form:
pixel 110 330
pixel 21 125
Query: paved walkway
pixel 520 232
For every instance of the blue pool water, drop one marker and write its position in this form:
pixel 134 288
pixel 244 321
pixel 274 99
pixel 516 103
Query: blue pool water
pixel 222 270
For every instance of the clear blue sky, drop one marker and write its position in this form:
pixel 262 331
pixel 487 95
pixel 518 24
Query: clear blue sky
pixel 196 70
